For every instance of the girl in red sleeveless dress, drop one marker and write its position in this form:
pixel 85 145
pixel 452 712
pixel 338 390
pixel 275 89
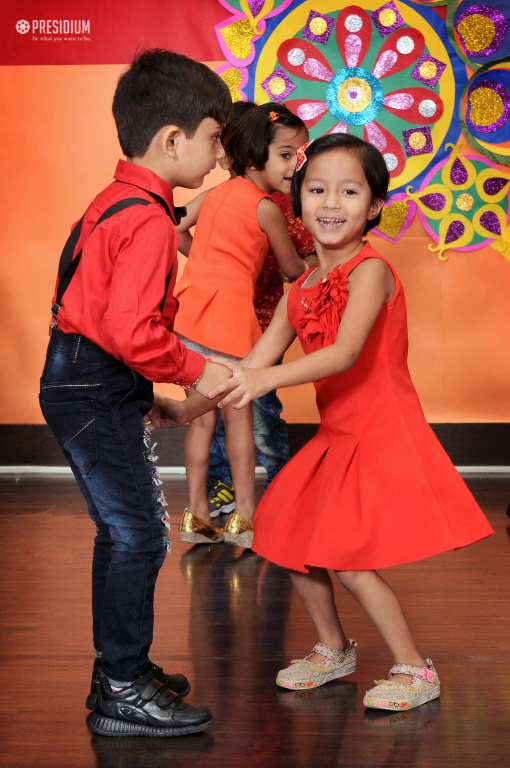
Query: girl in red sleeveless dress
pixel 238 222
pixel 374 488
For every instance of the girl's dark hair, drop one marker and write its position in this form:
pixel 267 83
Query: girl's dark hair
pixel 247 140
pixel 165 88
pixel 371 160
pixel 238 109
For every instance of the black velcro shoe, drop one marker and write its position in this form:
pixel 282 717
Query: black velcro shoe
pixel 177 683
pixel 146 708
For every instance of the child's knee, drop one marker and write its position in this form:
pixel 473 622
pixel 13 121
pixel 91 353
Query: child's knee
pixel 353 580
pixel 207 421
pixel 229 414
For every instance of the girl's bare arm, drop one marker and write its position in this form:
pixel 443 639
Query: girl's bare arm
pixel 269 348
pixel 188 221
pixel 371 286
pixel 272 221
pixel 274 341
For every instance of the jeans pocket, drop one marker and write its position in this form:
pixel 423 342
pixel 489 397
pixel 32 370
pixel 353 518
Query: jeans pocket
pixel 74 426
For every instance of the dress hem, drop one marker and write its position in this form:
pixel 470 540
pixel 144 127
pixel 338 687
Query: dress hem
pixel 391 564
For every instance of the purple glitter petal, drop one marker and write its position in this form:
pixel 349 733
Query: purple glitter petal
pixel 431 82
pixel 312 109
pixel 323 38
pixel 385 31
pixel 497 19
pixel 427 147
pixel 490 222
pixel 454 231
pixel 279 72
pixel 505 98
pixel 494 185
pixel 458 172
pixel 375 137
pixel 352 50
pixel 384 63
pixel 435 201
pixel 399 100
pixel 315 69
pixel 255 6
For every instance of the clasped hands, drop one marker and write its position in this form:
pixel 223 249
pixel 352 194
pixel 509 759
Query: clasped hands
pixel 241 387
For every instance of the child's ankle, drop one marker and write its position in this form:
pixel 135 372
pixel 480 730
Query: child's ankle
pixel 246 513
pixel 200 512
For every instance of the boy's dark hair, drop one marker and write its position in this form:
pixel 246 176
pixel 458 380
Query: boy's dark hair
pixel 164 88
pixel 372 162
pixel 247 141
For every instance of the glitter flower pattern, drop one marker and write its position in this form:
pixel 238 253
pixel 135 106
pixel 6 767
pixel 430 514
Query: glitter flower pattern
pixel 485 119
pixel 324 308
pixel 362 95
pixel 480 31
pixel 463 204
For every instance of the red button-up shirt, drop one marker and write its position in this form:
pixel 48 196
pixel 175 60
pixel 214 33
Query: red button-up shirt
pixel 115 295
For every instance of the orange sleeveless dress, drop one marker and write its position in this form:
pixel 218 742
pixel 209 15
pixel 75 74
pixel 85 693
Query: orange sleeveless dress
pixel 215 292
pixel 374 488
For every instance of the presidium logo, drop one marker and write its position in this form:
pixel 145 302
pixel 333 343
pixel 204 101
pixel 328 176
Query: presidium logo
pixel 55 30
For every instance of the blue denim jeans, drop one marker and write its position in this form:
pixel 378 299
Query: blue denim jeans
pixel 271 441
pixel 94 405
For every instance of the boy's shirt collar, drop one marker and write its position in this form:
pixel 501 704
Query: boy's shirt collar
pixel 145 179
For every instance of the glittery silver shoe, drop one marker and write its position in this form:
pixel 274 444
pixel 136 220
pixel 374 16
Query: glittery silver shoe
pixel 305 674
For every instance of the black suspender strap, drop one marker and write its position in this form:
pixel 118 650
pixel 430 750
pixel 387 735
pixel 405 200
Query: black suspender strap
pixel 67 265
pixel 179 211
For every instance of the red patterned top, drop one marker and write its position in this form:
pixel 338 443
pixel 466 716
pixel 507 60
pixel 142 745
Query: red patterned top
pixel 269 287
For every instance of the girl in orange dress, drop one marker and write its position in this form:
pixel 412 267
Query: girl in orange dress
pixel 374 488
pixel 238 222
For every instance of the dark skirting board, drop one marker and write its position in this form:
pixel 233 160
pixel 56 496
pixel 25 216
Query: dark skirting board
pixel 466 444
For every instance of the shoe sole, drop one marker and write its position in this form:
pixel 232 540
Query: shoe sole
pixel 90 703
pixel 107 726
pixel 199 538
pixel 223 510
pixel 399 705
pixel 239 539
pixel 321 680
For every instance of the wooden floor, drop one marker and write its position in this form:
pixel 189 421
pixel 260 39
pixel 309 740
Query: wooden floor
pixel 229 621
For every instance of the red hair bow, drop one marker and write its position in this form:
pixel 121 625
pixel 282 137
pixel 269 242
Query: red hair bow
pixel 301 156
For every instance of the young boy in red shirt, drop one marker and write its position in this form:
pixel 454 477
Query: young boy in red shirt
pixel 112 336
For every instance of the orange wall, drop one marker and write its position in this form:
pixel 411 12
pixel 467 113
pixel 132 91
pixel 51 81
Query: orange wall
pixel 58 149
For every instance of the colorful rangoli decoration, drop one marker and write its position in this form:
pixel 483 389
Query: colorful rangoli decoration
pixel 394 74
pixel 238 34
pixel 480 32
pixel 485 111
pixel 463 204
pixel 350 80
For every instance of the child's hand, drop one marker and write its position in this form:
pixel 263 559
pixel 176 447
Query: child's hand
pixel 249 383
pixel 165 413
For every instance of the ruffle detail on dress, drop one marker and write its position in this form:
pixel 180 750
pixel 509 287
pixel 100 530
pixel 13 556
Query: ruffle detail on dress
pixel 324 312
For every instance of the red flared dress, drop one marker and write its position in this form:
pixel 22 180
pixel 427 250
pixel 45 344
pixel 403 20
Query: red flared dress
pixel 374 488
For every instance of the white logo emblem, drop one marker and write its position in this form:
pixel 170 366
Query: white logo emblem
pixel 23 27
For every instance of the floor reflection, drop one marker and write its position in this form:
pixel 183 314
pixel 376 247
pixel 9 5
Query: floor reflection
pixel 150 753
pixel 239 617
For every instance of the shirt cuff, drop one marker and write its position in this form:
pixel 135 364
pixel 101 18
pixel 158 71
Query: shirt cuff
pixel 193 368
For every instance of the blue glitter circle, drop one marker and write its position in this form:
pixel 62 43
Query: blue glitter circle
pixel 355 118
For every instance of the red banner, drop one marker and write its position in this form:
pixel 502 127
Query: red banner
pixel 99 32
